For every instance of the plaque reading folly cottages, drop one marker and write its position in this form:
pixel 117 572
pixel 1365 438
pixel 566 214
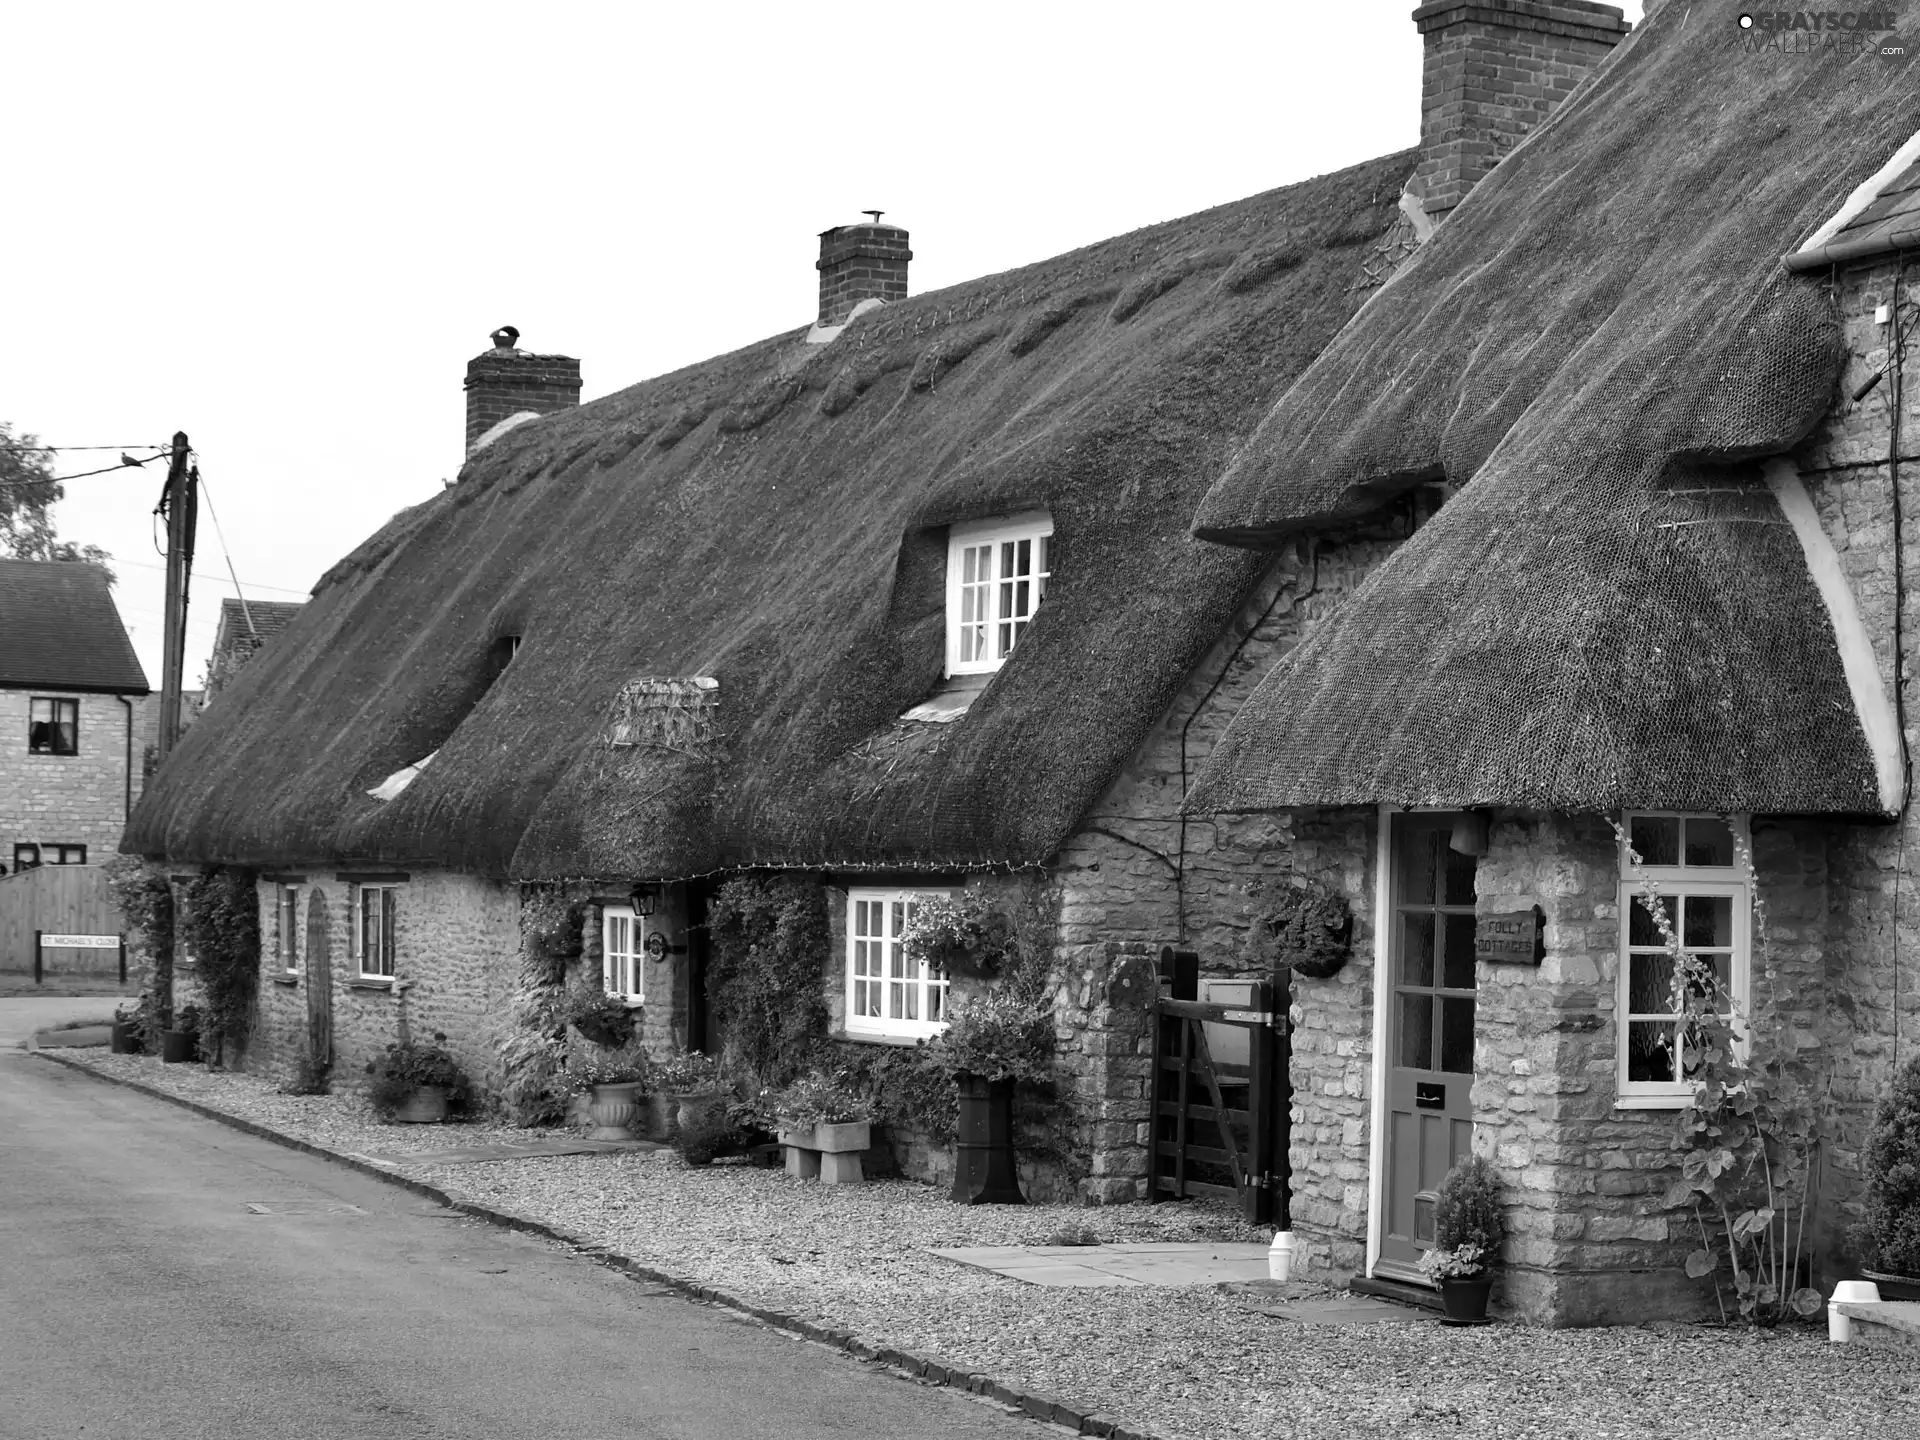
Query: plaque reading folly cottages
pixel 1509 938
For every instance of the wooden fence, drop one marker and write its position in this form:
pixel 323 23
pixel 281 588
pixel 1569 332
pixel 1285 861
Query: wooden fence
pixel 59 899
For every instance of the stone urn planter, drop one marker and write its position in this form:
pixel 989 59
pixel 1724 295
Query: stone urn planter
pixel 984 1172
pixel 693 1106
pixel 1465 1299
pixel 828 1153
pixel 612 1109
pixel 427 1105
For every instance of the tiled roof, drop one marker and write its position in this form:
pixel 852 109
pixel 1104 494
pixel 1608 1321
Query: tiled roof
pixel 1890 222
pixel 59 628
pixel 268 618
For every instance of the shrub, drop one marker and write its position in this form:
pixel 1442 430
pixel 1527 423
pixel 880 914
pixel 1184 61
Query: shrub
pixel 1466 1208
pixel 404 1069
pixel 1889 1235
pixel 707 1136
pixel 1308 930
pixel 687 1072
pixel 1004 1035
pixel 222 930
pixel 770 945
pixel 816 1098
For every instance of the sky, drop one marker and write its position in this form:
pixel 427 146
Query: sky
pixel 286 229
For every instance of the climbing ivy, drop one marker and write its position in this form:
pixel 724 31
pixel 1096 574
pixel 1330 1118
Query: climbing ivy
pixel 222 930
pixel 146 909
pixel 770 945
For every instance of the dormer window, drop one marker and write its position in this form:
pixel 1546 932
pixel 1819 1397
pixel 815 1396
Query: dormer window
pixel 996 578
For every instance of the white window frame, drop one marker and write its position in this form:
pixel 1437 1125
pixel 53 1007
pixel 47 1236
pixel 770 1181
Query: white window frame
pixel 872 958
pixel 1000 622
pixel 619 965
pixel 286 924
pixel 1679 881
pixel 389 930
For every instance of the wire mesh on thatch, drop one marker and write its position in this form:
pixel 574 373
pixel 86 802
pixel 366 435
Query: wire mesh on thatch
pixel 665 713
pixel 800 560
pixel 1611 610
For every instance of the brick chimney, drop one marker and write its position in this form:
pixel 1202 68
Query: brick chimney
pixel 1494 70
pixel 506 381
pixel 861 262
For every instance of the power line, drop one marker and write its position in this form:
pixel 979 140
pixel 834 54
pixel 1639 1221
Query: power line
pixel 198 575
pixel 56 449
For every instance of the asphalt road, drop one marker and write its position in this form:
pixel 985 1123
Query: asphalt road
pixel 163 1276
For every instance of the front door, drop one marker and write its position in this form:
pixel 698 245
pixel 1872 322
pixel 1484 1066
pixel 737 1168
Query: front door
pixel 1429 1032
pixel 319 982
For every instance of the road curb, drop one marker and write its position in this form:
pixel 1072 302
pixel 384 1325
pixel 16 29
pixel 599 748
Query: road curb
pixel 908 1366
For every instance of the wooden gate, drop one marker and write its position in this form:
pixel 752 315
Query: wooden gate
pixel 1221 1098
pixel 67 899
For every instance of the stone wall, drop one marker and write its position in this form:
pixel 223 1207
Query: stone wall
pixel 456 939
pixel 79 799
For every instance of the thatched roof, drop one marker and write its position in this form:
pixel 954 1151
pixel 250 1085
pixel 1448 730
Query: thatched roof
pixel 60 630
pixel 773 519
pixel 1612 610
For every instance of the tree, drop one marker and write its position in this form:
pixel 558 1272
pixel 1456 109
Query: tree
pixel 28 492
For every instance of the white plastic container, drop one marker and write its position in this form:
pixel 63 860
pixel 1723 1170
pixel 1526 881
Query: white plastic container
pixel 1858 1292
pixel 1280 1256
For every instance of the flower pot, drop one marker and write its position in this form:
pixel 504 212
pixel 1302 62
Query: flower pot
pixel 612 1109
pixel 1465 1299
pixel 1895 1287
pixel 178 1046
pixel 983 1163
pixel 125 1038
pixel 579 1115
pixel 427 1105
pixel 828 1153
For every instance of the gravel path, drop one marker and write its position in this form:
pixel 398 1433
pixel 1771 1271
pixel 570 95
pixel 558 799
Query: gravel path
pixel 1198 1364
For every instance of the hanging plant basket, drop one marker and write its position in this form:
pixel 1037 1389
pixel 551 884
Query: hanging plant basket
pixel 1308 930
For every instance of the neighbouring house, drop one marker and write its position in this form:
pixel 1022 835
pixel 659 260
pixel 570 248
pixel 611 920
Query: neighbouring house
pixel 1653 636
pixel 245 625
pixel 782 611
pixel 71 697
pixel 72 702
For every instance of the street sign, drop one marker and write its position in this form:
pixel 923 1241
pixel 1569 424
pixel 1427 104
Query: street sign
pixel 81 942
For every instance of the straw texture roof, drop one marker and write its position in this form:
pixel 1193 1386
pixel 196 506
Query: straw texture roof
pixel 773 520
pixel 1611 610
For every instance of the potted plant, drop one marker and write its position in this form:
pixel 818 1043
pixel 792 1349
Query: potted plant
pixel 1467 1231
pixel 691 1081
pixel 963 933
pixel 990 1044
pixel 601 1019
pixel 1889 1234
pixel 180 1041
pixel 613 1088
pixel 825 1125
pixel 417 1084
pixel 129 1029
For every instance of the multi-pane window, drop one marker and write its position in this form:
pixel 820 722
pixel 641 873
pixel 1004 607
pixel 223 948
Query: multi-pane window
pixel 623 952
pixel 996 578
pixel 53 727
pixel 1702 907
pixel 63 854
pixel 887 994
pixel 287 926
pixel 376 909
pixel 25 857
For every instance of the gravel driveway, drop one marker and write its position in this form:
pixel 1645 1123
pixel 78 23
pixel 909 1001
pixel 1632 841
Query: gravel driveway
pixel 1186 1363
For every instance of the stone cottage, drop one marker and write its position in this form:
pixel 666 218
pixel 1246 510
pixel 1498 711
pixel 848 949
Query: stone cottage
pixel 1652 636
pixel 903 601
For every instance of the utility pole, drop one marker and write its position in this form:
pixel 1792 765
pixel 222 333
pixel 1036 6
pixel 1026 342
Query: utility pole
pixel 180 503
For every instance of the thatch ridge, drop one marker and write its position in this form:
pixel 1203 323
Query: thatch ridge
pixel 721 522
pixel 1611 611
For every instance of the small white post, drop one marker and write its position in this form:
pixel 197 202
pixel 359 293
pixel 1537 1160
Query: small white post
pixel 1280 1256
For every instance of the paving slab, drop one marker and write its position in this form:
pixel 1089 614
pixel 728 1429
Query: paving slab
pixel 479 1154
pixel 1346 1310
pixel 1117 1265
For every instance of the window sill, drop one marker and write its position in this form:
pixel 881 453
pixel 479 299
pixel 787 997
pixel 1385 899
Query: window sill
pixel 868 1037
pixel 288 980
pixel 370 982
pixel 1652 1102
